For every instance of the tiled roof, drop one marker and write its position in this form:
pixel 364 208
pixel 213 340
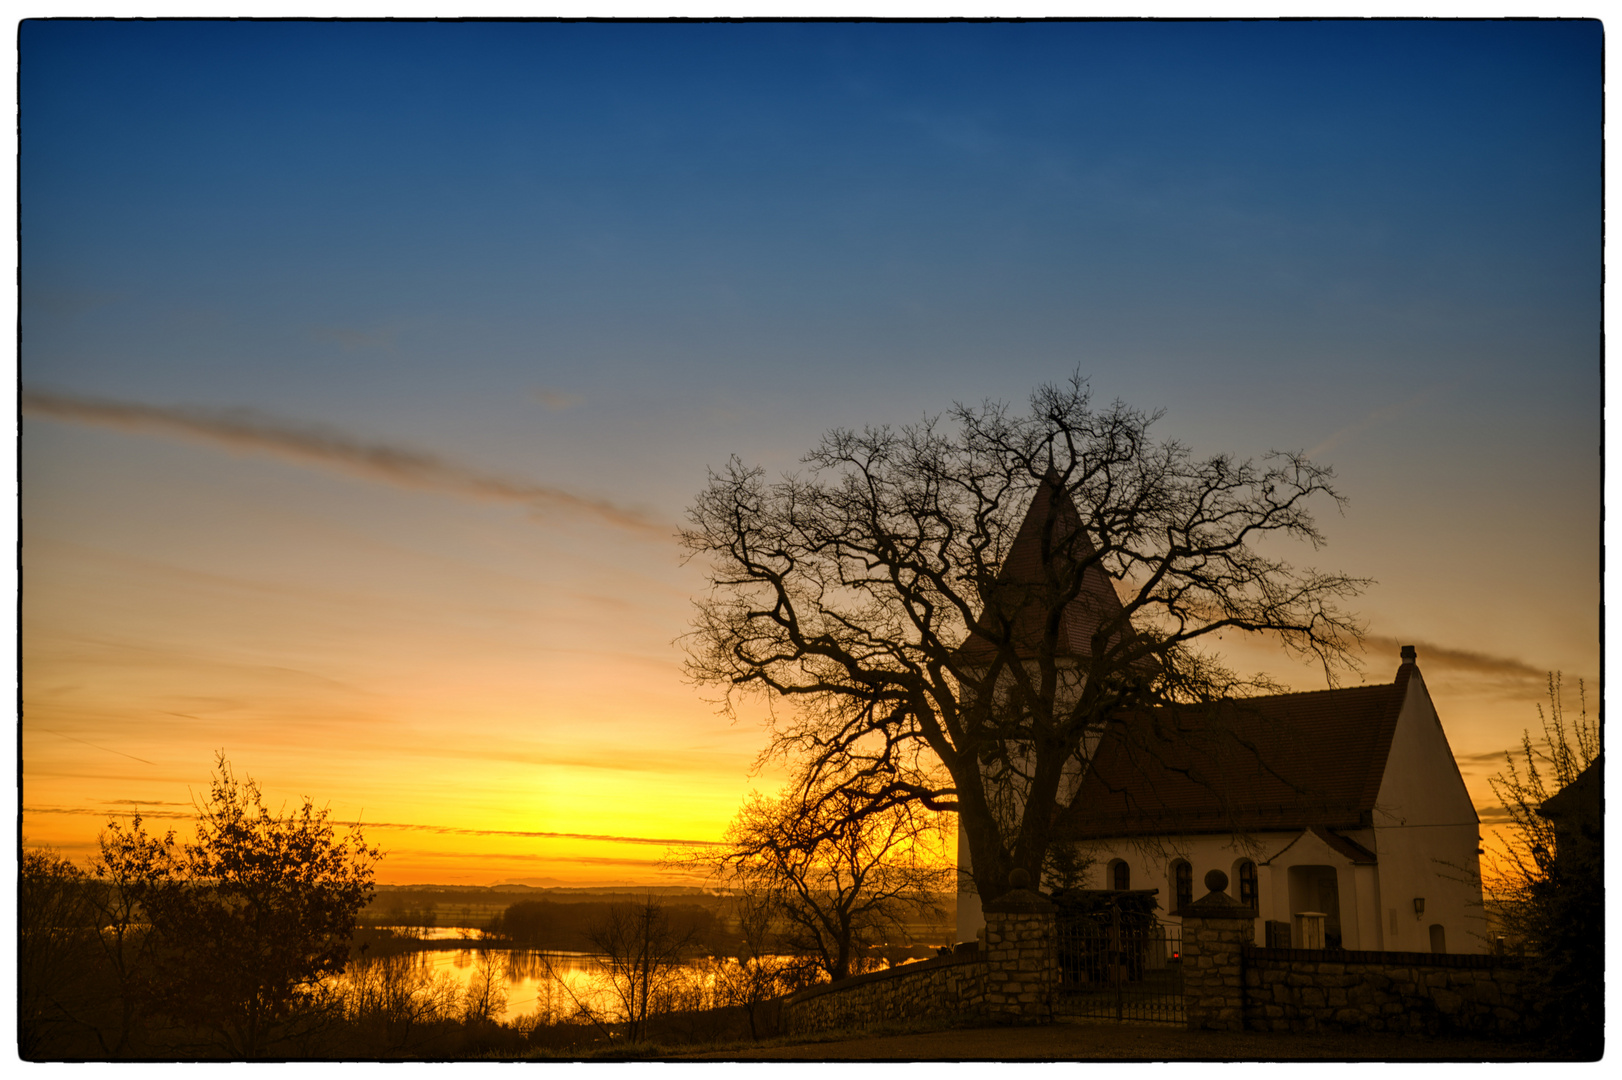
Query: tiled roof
pixel 1286 761
pixel 1024 590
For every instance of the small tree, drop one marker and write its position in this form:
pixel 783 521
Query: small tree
pixel 131 864
pixel 839 879
pixel 251 917
pixel 486 995
pixel 638 953
pixel 1550 897
pixel 55 950
pixel 757 969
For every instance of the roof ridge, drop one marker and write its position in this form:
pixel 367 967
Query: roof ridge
pixel 1280 697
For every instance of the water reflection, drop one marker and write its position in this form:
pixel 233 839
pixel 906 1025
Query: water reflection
pixel 547 986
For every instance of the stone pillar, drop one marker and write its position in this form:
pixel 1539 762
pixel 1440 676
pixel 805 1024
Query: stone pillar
pixel 1022 955
pixel 1216 928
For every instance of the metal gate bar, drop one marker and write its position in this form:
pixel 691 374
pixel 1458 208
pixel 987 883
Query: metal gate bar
pixel 1120 968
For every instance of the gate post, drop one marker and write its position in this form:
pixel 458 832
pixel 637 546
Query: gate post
pixel 1022 954
pixel 1216 928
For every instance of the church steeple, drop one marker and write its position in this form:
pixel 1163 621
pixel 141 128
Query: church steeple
pixel 1039 568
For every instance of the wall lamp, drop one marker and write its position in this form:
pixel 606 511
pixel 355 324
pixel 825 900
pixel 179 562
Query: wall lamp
pixel 1419 906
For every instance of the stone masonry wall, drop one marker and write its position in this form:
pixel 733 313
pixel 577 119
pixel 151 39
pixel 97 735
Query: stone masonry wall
pixel 1022 965
pixel 948 986
pixel 1012 978
pixel 1213 971
pixel 1323 990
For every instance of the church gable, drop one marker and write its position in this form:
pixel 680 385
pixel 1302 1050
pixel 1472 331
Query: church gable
pixel 1040 564
pixel 1422 785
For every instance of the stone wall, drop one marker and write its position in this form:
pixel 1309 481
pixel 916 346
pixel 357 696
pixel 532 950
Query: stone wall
pixel 1013 978
pixel 1325 990
pixel 1213 972
pixel 943 988
pixel 1216 932
pixel 1022 961
pixel 1230 983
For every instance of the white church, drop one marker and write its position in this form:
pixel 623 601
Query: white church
pixel 1339 815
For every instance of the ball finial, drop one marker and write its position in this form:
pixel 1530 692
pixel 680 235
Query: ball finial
pixel 1216 880
pixel 1019 879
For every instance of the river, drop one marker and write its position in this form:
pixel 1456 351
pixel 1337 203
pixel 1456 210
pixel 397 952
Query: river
pixel 535 981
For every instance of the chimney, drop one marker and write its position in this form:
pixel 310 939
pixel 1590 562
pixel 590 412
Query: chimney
pixel 1409 656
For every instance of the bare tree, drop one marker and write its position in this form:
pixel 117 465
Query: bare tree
pixel 840 880
pixel 757 970
pixel 638 953
pixel 957 615
pixel 399 1000
pixel 486 995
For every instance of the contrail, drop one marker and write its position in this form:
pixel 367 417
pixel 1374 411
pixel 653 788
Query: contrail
pixel 87 742
pixel 308 444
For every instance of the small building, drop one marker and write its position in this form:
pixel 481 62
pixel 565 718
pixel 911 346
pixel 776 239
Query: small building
pixel 1577 814
pixel 1343 805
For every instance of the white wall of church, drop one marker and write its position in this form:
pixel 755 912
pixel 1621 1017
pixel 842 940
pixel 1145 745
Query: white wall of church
pixel 1427 838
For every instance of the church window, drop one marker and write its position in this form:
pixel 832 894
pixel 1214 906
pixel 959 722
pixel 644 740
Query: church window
pixel 1247 884
pixel 1182 875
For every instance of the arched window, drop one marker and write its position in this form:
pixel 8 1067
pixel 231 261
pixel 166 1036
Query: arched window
pixel 1120 875
pixel 1247 883
pixel 1182 883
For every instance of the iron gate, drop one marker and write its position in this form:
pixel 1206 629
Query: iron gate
pixel 1120 967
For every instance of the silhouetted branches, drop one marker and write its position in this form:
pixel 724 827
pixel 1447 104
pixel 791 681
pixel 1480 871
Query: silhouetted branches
pixel 869 595
pixel 243 924
pixel 1545 878
pixel 838 868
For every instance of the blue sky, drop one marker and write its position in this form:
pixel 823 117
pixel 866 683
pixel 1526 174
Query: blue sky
pixel 598 258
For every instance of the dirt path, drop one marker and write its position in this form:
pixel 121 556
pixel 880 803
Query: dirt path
pixel 1132 1042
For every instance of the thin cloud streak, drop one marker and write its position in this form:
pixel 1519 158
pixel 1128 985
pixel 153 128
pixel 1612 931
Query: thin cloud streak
pixel 1373 419
pixel 87 742
pixel 444 830
pixel 1459 660
pixel 252 431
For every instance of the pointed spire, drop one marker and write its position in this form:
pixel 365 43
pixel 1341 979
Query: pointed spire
pixel 1050 542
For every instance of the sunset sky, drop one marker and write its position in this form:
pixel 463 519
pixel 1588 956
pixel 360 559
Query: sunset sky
pixel 368 369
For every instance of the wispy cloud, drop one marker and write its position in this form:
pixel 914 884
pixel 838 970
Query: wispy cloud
pixel 443 830
pixel 557 400
pixel 250 431
pixel 1375 418
pixel 1461 661
pixel 138 802
pixel 1482 757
